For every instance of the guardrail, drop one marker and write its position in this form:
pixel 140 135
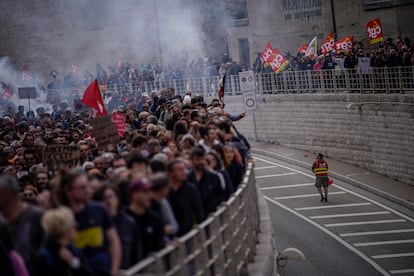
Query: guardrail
pixel 221 245
pixel 370 80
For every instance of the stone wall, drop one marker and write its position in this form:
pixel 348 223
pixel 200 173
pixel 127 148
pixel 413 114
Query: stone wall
pixel 375 132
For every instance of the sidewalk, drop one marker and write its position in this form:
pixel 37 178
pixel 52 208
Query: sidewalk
pixel 383 186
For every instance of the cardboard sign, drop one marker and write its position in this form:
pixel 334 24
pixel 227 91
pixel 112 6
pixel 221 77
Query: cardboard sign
pixel 57 157
pixel 374 30
pixel 247 81
pixel 167 93
pixel 104 131
pixel 119 120
pixel 328 45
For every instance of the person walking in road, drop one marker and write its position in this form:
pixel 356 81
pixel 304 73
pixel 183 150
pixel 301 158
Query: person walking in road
pixel 320 169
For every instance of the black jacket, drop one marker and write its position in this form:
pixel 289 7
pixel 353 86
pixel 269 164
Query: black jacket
pixel 48 261
pixel 186 205
pixel 212 194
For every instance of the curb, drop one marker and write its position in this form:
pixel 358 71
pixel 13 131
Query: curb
pixel 340 177
pixel 264 263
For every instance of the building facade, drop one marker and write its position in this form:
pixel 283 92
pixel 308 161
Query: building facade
pixel 50 35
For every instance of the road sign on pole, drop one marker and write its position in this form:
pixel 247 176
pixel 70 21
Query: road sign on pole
pixel 247 83
pixel 249 100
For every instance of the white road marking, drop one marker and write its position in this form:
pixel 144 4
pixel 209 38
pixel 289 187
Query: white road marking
pixel 402 271
pixel 307 195
pixel 352 174
pixel 286 186
pixel 351 215
pixel 332 206
pixel 364 222
pixel 376 232
pixel 264 168
pixel 397 255
pixel 342 188
pixel 274 175
pixel 383 243
pixel 334 236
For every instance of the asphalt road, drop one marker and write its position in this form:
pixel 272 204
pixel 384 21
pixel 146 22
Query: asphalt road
pixel 354 233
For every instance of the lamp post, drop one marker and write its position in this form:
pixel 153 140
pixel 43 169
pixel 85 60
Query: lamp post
pixel 158 29
pixel 333 19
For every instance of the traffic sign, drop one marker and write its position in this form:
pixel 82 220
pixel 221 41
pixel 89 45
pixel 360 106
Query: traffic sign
pixel 249 101
pixel 247 82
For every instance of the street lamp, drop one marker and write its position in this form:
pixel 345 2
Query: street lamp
pixel 158 29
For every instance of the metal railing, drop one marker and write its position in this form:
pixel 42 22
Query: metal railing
pixel 221 245
pixel 370 80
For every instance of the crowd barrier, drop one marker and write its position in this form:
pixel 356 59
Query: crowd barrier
pixel 369 80
pixel 221 245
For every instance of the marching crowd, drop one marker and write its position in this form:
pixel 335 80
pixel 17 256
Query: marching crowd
pixel 178 160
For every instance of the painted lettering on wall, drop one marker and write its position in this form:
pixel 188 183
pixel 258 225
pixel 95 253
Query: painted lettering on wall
pixel 302 9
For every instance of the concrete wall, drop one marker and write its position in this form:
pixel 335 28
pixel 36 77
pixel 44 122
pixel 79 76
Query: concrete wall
pixel 378 136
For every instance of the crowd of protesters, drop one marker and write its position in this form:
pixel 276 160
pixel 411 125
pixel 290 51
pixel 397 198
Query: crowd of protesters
pixel 178 160
pixel 389 54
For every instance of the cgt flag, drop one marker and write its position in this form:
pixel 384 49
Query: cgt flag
pixel 266 54
pixel 328 45
pixel 302 49
pixel 93 98
pixel 374 30
pixel 278 61
pixel 344 45
pixel 312 51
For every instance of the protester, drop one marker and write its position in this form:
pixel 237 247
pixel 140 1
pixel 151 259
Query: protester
pixel 22 220
pixel 97 237
pixel 131 240
pixel 150 224
pixel 59 256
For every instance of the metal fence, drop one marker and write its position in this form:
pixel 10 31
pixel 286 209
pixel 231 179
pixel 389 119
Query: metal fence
pixel 222 245
pixel 370 80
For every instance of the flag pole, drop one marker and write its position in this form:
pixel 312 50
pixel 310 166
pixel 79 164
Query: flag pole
pixel 334 19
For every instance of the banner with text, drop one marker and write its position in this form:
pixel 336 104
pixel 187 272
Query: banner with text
pixel 344 45
pixel 57 157
pixel 374 30
pixel 328 44
pixel 266 54
pixel 118 119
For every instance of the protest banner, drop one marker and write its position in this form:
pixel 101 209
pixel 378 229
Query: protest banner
pixel 104 131
pixel 118 118
pixel 328 45
pixel 167 93
pixel 344 45
pixel 374 30
pixel 278 62
pixel 56 157
pixel 266 54
pixel 302 49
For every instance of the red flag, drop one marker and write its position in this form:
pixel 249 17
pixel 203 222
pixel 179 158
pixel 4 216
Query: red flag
pixel 374 30
pixel 277 61
pixel 345 44
pixel 265 56
pixel 328 45
pixel 302 49
pixel 93 98
pixel 220 93
pixel 25 74
pixel 7 92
